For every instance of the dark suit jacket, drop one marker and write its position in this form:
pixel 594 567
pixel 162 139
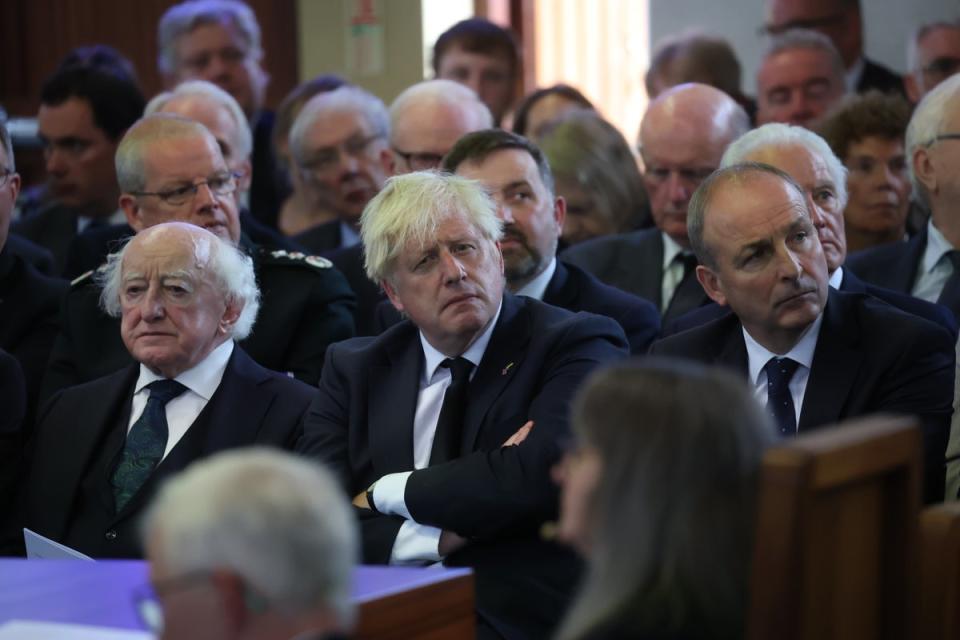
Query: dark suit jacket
pixel 53 228
pixel 29 319
pixel 632 262
pixel 870 357
pixel 322 239
pixel 13 400
pixel 252 405
pixel 574 289
pixel 850 284
pixel 41 259
pixel 892 266
pixel 349 261
pixel 876 76
pixel 361 425
pixel 305 306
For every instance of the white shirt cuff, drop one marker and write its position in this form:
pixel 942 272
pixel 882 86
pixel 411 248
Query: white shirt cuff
pixel 388 494
pixel 415 543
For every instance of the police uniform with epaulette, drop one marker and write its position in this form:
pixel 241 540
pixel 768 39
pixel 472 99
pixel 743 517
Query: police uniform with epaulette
pixel 306 305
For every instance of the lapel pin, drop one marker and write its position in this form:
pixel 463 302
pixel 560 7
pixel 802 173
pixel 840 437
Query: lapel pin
pixel 506 369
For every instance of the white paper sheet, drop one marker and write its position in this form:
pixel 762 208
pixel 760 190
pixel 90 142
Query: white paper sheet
pixel 31 630
pixel 41 548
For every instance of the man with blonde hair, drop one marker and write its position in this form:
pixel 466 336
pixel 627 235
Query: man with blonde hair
pixel 444 428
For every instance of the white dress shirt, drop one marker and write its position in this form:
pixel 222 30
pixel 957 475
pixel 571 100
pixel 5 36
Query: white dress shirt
pixel 836 279
pixel 117 217
pixel 417 543
pixel 538 286
pixel 935 267
pixel 201 382
pixel 852 76
pixel 802 352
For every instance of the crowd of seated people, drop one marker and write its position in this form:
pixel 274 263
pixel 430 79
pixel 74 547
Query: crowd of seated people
pixel 449 335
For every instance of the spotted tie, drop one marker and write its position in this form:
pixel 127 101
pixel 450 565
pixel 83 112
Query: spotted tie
pixel 779 400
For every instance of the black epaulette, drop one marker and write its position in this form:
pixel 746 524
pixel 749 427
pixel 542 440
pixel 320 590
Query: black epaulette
pixel 282 256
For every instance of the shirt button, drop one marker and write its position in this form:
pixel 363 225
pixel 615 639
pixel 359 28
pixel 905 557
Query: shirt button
pixel 110 535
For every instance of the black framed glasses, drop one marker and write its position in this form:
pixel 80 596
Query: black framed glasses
pixel 420 161
pixel 326 160
pixel 4 174
pixel 942 67
pixel 943 136
pixel 220 184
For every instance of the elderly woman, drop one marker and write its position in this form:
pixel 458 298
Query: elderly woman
pixel 659 497
pixel 597 174
pixel 866 132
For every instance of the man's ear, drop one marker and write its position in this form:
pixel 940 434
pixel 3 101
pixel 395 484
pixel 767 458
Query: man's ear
pixel 243 184
pixel 392 295
pixel 923 168
pixel 232 592
pixel 559 212
pixel 230 316
pixel 913 89
pixel 711 284
pixel 389 162
pixel 132 211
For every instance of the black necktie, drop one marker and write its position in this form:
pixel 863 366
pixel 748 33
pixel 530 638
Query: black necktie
pixel 950 294
pixel 688 293
pixel 145 442
pixel 779 400
pixel 446 440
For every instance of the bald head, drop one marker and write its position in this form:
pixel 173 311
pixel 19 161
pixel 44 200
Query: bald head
pixel 427 119
pixel 161 127
pixel 682 138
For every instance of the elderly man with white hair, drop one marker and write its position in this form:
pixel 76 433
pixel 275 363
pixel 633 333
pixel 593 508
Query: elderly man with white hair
pixel 184 298
pixel 250 544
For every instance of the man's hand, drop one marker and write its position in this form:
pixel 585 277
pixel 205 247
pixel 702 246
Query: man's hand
pixel 520 435
pixel 360 500
pixel 449 542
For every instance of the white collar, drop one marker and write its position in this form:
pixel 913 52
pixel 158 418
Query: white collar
pixel 670 250
pixel 348 235
pixel 474 353
pixel 203 378
pixel 836 278
pixel 537 287
pixel 802 351
pixel 937 246
pixel 852 76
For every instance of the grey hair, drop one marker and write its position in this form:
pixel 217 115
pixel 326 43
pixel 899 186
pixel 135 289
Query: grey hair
pixel 148 130
pixel 913 43
pixel 927 123
pixel 346 98
pixel 230 273
pixel 671 517
pixel 411 207
pixel 807 39
pixel 738 173
pixel 777 134
pixel 7 141
pixel 279 521
pixel 441 92
pixel 242 144
pixel 183 18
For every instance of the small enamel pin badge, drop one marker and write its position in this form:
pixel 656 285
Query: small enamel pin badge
pixel 506 369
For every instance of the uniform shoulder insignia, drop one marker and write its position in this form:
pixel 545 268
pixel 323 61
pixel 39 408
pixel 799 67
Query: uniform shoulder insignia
pixel 296 257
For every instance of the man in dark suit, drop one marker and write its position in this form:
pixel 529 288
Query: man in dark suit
pixel 13 399
pixel 813 358
pixel 306 302
pixel 842 22
pixel 445 427
pixel 808 159
pixel 29 300
pixel 184 297
pixel 85 110
pixel 933 55
pixel 516 173
pixel 682 137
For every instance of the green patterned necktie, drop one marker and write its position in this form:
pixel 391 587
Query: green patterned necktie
pixel 145 443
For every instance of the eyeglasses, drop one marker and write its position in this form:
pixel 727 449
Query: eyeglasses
pixel 326 160
pixel 659 175
pixel 942 67
pixel 420 161
pixel 146 599
pixel 4 173
pixel 943 136
pixel 220 184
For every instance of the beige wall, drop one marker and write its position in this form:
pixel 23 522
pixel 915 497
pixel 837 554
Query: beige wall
pixel 325 35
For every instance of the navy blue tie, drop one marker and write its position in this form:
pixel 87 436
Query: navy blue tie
pixel 779 400
pixel 446 439
pixel 145 442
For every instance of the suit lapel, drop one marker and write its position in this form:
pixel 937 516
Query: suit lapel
pixel 640 263
pixel 733 351
pixel 394 388
pixel 560 290
pixel 502 358
pixel 834 369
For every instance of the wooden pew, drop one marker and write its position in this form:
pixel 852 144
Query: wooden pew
pixel 939 617
pixel 836 535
